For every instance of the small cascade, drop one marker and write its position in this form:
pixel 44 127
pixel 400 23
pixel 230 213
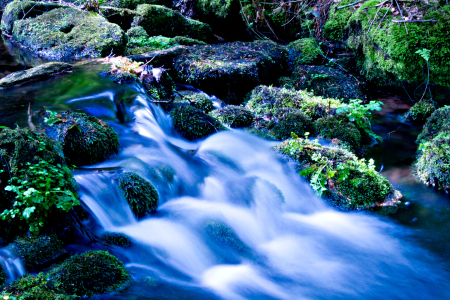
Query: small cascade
pixel 13 265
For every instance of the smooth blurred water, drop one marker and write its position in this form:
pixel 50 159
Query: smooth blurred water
pixel 235 221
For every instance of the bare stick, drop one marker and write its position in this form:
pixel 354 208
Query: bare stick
pixel 401 13
pixel 413 21
pixel 382 19
pixel 374 18
pixel 351 4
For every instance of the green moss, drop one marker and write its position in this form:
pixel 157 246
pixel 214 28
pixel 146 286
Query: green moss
pixel 2 275
pixel 160 20
pixel 231 70
pixel 86 140
pixel 267 101
pixel 286 122
pixel 325 81
pixel 338 127
pixel 90 273
pixel 193 123
pixel 67 32
pixel 34 287
pixel 140 194
pixel 116 239
pixel 132 4
pixel 200 101
pixel 136 32
pixel 233 116
pixel 142 43
pixel 304 52
pixel 162 88
pixel 420 111
pixel 38 251
pixel 339 175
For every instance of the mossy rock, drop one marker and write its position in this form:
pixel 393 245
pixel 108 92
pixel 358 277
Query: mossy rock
pixel 116 239
pixel 67 33
pixel 140 194
pixel 15 10
pixel 266 101
pixel 132 4
pixel 387 52
pixel 40 72
pixel 233 116
pixel 34 287
pixel 421 111
pixel 200 101
pixel 437 122
pixel 161 85
pixel 86 140
pixel 344 180
pixel 304 52
pixel 223 16
pixel 193 123
pixel 160 20
pixel 142 44
pixel 325 81
pixel 90 273
pixel 339 127
pixel 164 57
pixel 433 163
pixel 38 251
pixel 137 32
pixel 231 70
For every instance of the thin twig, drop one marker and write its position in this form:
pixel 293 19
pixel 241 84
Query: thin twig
pixel 382 19
pixel 351 4
pixel 413 21
pixel 401 14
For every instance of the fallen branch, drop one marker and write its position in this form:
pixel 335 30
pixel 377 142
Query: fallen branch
pixel 413 21
pixel 351 4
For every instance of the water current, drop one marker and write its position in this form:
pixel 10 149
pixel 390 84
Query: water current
pixel 235 221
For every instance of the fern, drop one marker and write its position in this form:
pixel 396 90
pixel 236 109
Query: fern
pixel 425 53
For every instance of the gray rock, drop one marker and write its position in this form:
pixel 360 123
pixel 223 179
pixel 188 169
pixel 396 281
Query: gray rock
pixel 36 73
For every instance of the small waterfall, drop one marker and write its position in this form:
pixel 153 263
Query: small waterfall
pixel 235 219
pixel 13 265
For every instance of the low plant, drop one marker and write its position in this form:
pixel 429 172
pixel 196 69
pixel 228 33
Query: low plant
pixel 41 190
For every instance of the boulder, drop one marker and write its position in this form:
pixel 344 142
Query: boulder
pixel 324 81
pixel 304 52
pixel 116 239
pixel 193 123
pixel 231 70
pixel 200 101
pixel 90 273
pixel 67 33
pixel 86 140
pixel 36 73
pixel 233 116
pixel 160 20
pixel 140 194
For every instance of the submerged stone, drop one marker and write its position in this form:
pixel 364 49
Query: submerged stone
pixel 116 239
pixel 86 140
pixel 231 70
pixel 67 33
pixel 140 194
pixel 160 20
pixel 193 123
pixel 36 73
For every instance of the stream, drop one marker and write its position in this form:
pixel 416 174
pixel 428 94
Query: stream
pixel 278 240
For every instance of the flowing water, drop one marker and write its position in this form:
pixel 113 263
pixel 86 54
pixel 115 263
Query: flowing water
pixel 235 221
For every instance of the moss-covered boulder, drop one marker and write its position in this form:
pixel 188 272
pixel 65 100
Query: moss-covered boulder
pixel 40 72
pixel 200 101
pixel 233 116
pixel 225 236
pixel 140 194
pixel 90 273
pixel 38 251
pixel 38 286
pixel 160 85
pixel 432 166
pixel 116 239
pixel 160 20
pixel 223 16
pixel 193 123
pixel 132 4
pixel 325 81
pixel 67 33
pixel 231 70
pixel 339 127
pixel 338 175
pixel 86 140
pixel 387 51
pixel 304 52
pixel 164 57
